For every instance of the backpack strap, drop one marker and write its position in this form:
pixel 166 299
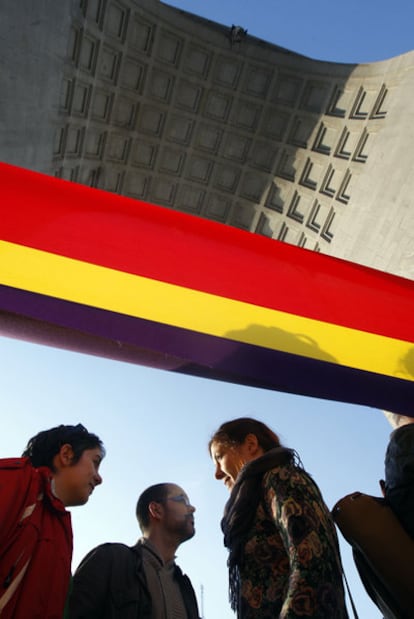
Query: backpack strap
pixel 354 610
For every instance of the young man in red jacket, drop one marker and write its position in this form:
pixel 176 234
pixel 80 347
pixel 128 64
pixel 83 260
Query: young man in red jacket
pixel 59 469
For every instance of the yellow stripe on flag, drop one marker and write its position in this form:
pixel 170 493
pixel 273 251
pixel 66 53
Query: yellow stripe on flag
pixel 108 289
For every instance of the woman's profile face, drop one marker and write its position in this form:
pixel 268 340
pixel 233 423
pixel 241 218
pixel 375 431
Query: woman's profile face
pixel 229 460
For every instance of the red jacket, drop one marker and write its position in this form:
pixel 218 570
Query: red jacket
pixel 35 543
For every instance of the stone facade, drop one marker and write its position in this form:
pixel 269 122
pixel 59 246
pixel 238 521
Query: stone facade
pixel 139 98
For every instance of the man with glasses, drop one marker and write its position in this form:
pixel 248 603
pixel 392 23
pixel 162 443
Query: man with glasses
pixel 142 581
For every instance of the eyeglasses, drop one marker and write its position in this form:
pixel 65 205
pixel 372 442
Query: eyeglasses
pixel 179 498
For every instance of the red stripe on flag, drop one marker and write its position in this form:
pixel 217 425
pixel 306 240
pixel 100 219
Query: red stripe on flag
pixel 128 235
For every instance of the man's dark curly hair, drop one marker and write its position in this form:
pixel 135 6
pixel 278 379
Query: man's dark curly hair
pixel 42 448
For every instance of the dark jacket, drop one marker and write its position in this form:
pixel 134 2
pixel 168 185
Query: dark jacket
pixel 399 475
pixel 110 584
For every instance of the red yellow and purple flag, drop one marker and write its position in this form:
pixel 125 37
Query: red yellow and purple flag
pixel 100 273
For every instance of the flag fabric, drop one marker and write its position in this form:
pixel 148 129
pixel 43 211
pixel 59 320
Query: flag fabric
pixel 92 271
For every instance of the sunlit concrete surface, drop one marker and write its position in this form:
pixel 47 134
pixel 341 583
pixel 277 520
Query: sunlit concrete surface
pixel 139 98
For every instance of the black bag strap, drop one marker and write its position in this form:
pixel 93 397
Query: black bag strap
pixel 354 610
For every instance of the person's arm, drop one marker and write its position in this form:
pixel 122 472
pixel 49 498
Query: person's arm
pixel 397 420
pixel 315 582
pixel 90 586
pixel 19 489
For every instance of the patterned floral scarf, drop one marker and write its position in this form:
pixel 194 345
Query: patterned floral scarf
pixel 240 511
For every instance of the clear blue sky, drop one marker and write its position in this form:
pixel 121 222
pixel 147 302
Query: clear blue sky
pixel 156 425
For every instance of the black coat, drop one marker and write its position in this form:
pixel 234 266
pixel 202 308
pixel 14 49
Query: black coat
pixel 110 584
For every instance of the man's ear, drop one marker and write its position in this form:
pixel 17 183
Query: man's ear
pixel 64 457
pixel 156 510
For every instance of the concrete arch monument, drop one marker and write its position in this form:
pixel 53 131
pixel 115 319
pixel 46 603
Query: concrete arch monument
pixel 139 98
